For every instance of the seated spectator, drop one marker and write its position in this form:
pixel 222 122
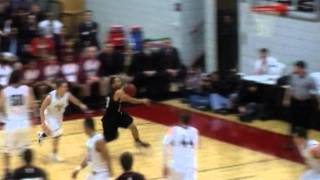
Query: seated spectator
pixel 50 72
pixel 88 31
pixel 90 67
pixel 32 73
pixel 63 43
pixel 249 102
pixel 222 91
pixel 126 160
pixel 42 46
pixel 50 26
pixel 265 63
pixel 170 64
pixel 70 71
pixel 5 71
pixel 28 170
pixel 51 69
pixel 145 71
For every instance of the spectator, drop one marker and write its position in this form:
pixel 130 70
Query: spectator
pixel 91 66
pixel 41 46
pixel 145 71
pixel 51 69
pixel 63 43
pixel 32 73
pixel 170 63
pixel 88 31
pixel 112 62
pixel 265 63
pixel 11 43
pixel 5 71
pixel 36 11
pixel 50 26
pixel 30 29
pixel 4 12
pixel 70 69
pixel 20 4
pixel 126 161
pixel 28 170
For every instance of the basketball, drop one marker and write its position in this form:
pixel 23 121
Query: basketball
pixel 130 89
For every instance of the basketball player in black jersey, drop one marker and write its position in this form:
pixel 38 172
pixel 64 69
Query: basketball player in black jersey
pixel 115 118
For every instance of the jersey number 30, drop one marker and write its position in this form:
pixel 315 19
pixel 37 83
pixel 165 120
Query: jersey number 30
pixel 16 100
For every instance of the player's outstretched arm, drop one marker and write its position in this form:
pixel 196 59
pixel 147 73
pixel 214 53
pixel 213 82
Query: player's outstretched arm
pixel 2 101
pixel 120 94
pixel 77 102
pixel 31 103
pixel 43 107
pixel 101 147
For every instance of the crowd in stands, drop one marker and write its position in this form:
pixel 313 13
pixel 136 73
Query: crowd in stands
pixel 39 43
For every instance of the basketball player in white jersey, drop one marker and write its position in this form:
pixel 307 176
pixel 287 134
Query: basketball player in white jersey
pixel 17 103
pixel 51 114
pixel 97 157
pixel 310 151
pixel 181 143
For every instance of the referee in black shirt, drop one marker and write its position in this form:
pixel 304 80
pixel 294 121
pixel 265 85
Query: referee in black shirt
pixel 301 97
pixel 28 170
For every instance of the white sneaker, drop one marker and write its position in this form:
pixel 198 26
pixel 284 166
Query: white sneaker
pixel 41 137
pixel 55 158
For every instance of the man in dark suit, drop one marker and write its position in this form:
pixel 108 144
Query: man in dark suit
pixel 171 67
pixel 88 31
pixel 112 62
pixel 146 71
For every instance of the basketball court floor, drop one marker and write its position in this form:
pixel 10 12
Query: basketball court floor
pixel 229 149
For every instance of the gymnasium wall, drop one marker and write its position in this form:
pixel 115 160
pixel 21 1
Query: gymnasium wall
pixel 288 39
pixel 158 18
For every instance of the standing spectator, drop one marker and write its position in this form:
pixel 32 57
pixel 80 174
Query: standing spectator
pixel 36 11
pixel 30 29
pixel 91 66
pixel 12 43
pixel 88 31
pixel 50 26
pixel 265 63
pixel 170 63
pixel 28 170
pixel 112 62
pixel 145 71
pixel 300 98
pixel 126 161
